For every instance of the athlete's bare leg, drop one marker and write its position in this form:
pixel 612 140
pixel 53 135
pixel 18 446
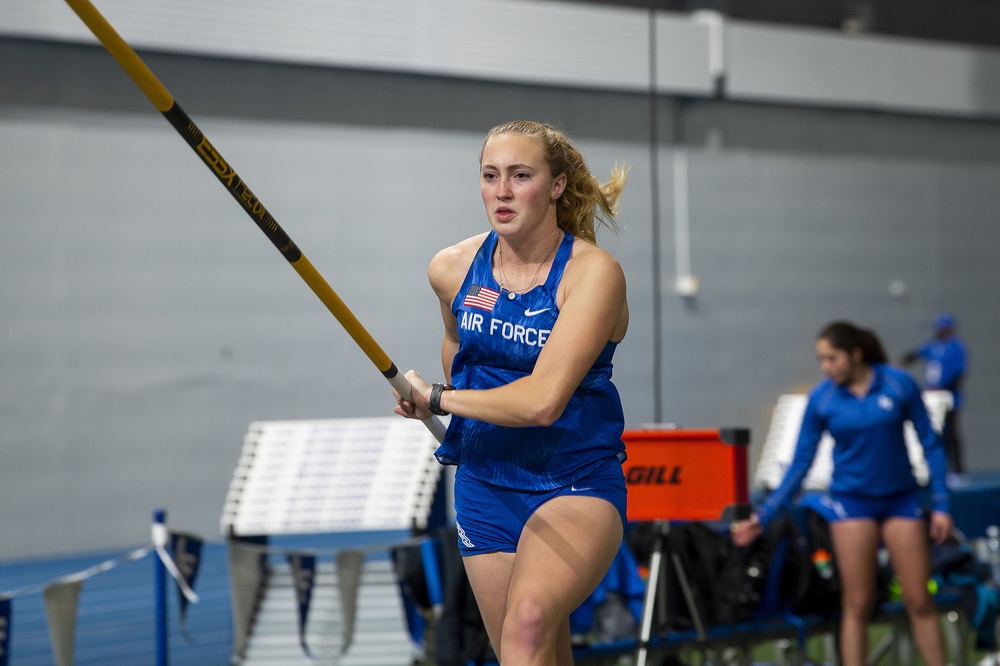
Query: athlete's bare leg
pixel 525 598
pixel 855 545
pixel 490 576
pixel 909 552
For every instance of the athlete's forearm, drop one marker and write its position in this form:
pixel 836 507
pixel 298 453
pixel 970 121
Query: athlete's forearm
pixel 522 403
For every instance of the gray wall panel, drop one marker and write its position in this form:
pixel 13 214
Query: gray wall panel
pixel 158 321
pixel 787 235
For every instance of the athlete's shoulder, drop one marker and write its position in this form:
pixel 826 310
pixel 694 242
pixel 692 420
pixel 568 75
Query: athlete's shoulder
pixel 823 387
pixel 822 393
pixel 897 379
pixel 588 259
pixel 461 252
pixel 893 371
pixel 590 251
pixel 450 265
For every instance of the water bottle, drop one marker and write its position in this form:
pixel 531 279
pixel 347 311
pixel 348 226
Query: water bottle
pixel 823 562
pixel 993 553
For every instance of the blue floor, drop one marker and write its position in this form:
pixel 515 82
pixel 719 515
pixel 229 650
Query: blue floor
pixel 116 615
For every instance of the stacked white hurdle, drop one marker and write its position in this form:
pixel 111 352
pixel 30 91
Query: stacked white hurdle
pixel 330 477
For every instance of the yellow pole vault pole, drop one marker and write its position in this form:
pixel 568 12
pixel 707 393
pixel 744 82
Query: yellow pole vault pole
pixel 164 102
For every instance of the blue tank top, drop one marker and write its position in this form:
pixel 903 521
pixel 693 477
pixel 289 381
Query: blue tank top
pixel 500 336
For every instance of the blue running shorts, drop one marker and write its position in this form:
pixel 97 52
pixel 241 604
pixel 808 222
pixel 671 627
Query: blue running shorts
pixel 900 505
pixel 490 518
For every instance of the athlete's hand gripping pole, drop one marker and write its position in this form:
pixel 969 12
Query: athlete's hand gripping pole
pixel 164 102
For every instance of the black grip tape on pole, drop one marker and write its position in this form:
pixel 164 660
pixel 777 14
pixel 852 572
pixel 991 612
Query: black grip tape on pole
pixel 231 180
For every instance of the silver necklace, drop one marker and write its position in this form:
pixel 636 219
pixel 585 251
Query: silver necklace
pixel 502 278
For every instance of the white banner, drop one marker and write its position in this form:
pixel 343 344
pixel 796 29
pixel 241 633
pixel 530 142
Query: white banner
pixel 60 611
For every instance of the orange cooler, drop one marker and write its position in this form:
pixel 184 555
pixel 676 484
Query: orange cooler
pixel 685 474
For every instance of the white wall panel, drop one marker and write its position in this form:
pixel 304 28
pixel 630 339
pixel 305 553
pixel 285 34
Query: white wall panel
pixel 524 41
pixel 829 68
pixel 683 56
pixel 546 42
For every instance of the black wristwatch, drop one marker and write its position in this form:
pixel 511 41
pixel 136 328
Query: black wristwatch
pixel 436 390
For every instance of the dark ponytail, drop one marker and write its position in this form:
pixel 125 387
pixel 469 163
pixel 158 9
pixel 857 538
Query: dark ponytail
pixel 871 347
pixel 846 336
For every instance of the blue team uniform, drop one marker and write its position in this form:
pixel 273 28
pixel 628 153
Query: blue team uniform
pixel 869 455
pixel 499 341
pixel 944 366
pixel 505 474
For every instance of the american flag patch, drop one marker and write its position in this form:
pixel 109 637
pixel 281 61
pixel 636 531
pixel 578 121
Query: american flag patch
pixel 481 297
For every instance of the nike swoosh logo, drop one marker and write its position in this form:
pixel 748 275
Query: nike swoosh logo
pixel 531 313
pixel 574 489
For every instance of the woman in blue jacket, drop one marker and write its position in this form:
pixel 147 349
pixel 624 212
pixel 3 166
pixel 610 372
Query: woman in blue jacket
pixel 863 403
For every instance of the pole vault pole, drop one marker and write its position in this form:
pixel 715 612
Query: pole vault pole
pixel 164 102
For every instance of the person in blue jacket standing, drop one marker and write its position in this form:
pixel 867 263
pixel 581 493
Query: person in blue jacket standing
pixel 533 311
pixel 944 358
pixel 863 403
